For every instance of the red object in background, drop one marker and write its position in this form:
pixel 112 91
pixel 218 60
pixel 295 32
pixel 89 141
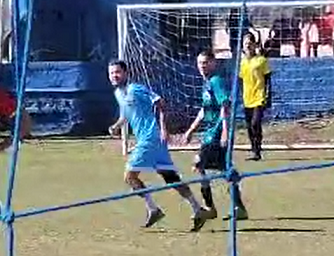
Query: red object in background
pixel 7 104
pixel 325 26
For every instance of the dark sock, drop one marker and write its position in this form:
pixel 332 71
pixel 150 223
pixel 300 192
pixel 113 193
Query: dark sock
pixel 237 197
pixel 207 196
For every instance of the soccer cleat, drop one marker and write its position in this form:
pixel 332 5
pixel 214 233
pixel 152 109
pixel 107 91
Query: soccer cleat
pixel 211 213
pixel 254 157
pixel 241 213
pixel 199 219
pixel 153 217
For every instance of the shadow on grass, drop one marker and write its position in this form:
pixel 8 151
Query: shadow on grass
pixel 311 218
pixel 243 230
pixel 304 158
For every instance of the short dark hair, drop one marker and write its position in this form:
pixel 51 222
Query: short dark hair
pixel 208 53
pixel 120 63
pixel 251 37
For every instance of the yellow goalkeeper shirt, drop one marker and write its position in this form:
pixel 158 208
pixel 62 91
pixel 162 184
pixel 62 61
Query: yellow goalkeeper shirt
pixel 252 73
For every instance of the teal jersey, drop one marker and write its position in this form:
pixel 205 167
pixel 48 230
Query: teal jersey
pixel 215 95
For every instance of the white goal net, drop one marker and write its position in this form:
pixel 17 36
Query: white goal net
pixel 160 43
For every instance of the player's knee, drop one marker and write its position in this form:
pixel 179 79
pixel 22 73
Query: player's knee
pixel 170 176
pixel 205 184
pixel 198 164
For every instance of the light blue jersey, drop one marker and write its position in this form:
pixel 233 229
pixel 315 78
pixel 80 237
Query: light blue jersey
pixel 136 103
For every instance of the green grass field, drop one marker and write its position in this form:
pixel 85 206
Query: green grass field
pixel 291 214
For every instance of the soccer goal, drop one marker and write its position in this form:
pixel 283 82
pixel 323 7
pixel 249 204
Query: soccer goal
pixel 161 41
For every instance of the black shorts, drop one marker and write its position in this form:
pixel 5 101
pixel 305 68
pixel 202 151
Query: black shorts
pixel 211 157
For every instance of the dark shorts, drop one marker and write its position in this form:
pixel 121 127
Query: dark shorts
pixel 211 157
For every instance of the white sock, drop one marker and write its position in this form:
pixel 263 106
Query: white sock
pixel 150 204
pixel 194 204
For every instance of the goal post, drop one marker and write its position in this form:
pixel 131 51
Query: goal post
pixel 160 43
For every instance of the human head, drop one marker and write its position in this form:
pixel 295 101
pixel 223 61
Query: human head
pixel 206 63
pixel 118 73
pixel 249 45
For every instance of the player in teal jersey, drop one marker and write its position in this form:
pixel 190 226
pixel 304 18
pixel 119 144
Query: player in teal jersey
pixel 214 115
pixel 137 103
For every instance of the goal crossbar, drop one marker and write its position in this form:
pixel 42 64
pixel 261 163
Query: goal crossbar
pixel 221 5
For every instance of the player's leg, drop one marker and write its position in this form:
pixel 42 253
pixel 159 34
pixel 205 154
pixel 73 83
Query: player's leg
pixel 248 119
pixel 167 170
pixel 212 157
pixel 217 160
pixel 241 210
pixel 257 132
pixel 200 214
pixel 202 161
pixel 141 161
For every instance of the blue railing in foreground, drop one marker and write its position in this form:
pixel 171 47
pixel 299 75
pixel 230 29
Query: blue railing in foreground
pixel 8 216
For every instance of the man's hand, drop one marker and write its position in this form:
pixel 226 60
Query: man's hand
pixel 113 130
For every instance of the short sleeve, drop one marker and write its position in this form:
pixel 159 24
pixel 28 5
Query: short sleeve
pixel 220 90
pixel 264 66
pixel 141 92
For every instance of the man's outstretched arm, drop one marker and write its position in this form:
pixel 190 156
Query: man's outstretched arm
pixel 194 125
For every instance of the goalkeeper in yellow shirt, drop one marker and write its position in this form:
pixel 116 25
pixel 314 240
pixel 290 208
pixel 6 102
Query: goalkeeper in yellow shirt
pixel 255 77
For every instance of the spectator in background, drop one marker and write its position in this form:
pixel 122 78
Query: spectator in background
pixel 318 30
pixel 233 29
pixel 325 25
pixel 187 32
pixel 284 31
pixel 311 36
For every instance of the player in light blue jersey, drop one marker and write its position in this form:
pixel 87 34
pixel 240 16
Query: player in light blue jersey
pixel 214 114
pixel 137 103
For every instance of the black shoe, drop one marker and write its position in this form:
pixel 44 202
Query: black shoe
pixel 211 213
pixel 199 219
pixel 241 214
pixel 254 157
pixel 153 217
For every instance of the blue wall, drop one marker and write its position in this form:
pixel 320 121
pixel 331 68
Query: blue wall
pixel 67 97
pixel 302 88
pixel 76 97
